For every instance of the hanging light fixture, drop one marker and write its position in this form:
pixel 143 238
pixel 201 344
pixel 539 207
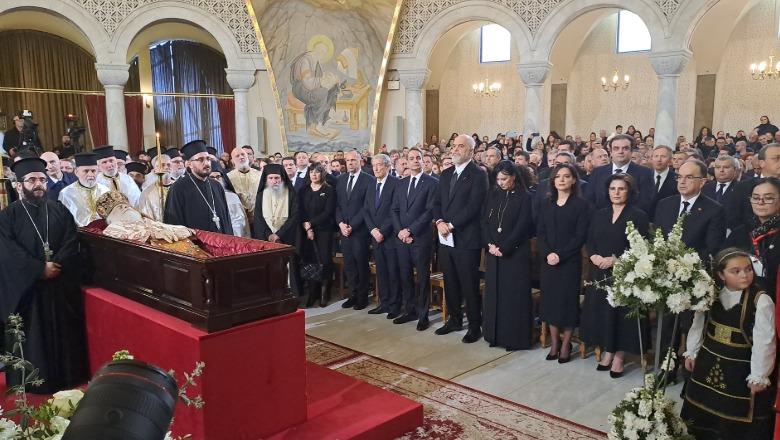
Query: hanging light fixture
pixel 765 70
pixel 486 89
pixel 615 83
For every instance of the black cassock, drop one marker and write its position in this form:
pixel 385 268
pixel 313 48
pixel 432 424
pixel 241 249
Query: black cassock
pixel 562 230
pixel 507 315
pixel 290 231
pixel 185 205
pixel 602 324
pixel 53 310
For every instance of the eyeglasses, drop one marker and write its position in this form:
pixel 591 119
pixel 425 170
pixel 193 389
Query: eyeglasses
pixel 201 159
pixel 34 180
pixel 688 178
pixel 758 200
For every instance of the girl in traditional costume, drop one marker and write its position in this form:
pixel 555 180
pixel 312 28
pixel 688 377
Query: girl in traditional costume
pixel 731 354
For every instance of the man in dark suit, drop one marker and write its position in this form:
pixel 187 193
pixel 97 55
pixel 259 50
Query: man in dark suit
pixel 378 208
pixel 412 216
pixel 351 192
pixel 456 209
pixel 664 177
pixel 620 147
pixel 301 171
pixel 428 165
pixel 726 172
pixel 703 230
pixel 56 179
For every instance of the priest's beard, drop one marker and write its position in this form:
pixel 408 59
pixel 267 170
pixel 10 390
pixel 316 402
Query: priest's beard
pixel 178 173
pixel 35 196
pixel 243 167
pixel 276 190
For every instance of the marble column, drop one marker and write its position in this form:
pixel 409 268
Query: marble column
pixel 413 81
pixel 668 66
pixel 113 77
pixel 240 80
pixel 533 75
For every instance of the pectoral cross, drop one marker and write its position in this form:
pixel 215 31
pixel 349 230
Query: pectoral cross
pixel 215 219
pixel 47 252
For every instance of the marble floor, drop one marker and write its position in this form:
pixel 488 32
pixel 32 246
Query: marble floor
pixel 573 391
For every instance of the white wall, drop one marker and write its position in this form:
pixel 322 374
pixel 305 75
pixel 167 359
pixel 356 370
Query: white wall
pixel 588 108
pixel 739 100
pixel 460 111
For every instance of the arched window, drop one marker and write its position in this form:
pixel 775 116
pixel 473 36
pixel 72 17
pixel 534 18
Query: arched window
pixel 495 44
pixel 632 34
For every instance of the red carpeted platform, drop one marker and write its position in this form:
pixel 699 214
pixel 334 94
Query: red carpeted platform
pixel 341 407
pixel 254 383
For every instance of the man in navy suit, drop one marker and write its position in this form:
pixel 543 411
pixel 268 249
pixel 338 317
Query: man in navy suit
pixel 664 177
pixel 620 147
pixel 56 179
pixel 456 209
pixel 302 170
pixel 351 191
pixel 377 209
pixel 428 165
pixel 726 172
pixel 704 231
pixel 412 216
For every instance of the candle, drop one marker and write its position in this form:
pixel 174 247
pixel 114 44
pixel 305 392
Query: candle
pixel 159 155
pixel 2 168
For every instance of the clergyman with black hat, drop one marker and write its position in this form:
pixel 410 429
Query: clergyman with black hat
pixel 79 197
pixel 195 200
pixel 110 176
pixel 40 280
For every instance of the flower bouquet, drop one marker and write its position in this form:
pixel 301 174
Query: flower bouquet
pixel 49 420
pixel 646 414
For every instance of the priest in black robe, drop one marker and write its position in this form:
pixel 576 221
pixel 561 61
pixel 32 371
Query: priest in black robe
pixel 40 280
pixel 196 200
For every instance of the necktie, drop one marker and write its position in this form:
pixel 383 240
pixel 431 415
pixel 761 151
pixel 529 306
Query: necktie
pixel 392 172
pixel 349 185
pixel 685 208
pixel 719 194
pixel 452 182
pixel 378 195
pixel 657 183
pixel 411 186
pixel 618 170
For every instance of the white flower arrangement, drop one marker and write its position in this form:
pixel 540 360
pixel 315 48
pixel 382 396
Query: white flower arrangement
pixel 646 414
pixel 659 274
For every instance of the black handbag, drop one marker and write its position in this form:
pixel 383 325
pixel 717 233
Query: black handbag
pixel 313 271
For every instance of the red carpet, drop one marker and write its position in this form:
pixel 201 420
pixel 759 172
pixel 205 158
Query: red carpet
pixel 340 407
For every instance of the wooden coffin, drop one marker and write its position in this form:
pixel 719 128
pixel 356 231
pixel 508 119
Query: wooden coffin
pixel 243 281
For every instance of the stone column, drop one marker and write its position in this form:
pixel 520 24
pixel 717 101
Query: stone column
pixel 240 80
pixel 668 66
pixel 413 81
pixel 533 75
pixel 113 77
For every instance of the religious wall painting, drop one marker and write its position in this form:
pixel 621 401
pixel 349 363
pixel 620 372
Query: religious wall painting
pixel 327 58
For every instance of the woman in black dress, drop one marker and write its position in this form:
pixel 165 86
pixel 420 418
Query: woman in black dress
pixel 761 237
pixel 318 207
pixel 562 230
pixel 506 231
pixel 602 324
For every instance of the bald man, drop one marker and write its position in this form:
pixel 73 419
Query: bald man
pixel 56 179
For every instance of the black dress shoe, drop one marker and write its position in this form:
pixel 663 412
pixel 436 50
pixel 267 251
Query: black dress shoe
pixel 393 315
pixel 376 311
pixel 403 319
pixel 449 327
pixel 360 305
pixel 616 374
pixel 551 357
pixel 472 336
pixel 600 367
pixel 563 360
pixel 348 304
pixel 423 325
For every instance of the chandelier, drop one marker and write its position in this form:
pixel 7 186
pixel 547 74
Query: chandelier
pixel 615 84
pixel 764 70
pixel 486 89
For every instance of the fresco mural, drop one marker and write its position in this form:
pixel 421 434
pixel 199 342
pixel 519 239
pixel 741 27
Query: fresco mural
pixel 326 57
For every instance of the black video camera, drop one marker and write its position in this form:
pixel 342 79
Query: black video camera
pixel 75 131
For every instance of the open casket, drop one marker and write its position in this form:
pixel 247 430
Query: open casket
pixel 242 280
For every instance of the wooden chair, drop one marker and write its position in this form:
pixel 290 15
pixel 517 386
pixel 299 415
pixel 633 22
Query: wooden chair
pixel 437 285
pixel 372 270
pixel 338 274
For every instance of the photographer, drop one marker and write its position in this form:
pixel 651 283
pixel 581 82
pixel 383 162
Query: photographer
pixel 66 148
pixel 23 136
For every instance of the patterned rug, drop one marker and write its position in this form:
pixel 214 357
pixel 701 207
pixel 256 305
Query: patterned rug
pixel 452 411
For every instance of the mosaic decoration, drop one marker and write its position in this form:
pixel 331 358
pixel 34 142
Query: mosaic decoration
pixel 669 8
pixel 234 13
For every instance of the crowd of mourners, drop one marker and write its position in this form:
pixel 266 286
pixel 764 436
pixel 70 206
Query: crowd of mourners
pixel 499 218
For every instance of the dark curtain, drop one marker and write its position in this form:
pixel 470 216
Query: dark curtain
pixel 34 59
pixel 188 67
pixel 95 119
pixel 227 122
pixel 134 116
pixel 133 79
